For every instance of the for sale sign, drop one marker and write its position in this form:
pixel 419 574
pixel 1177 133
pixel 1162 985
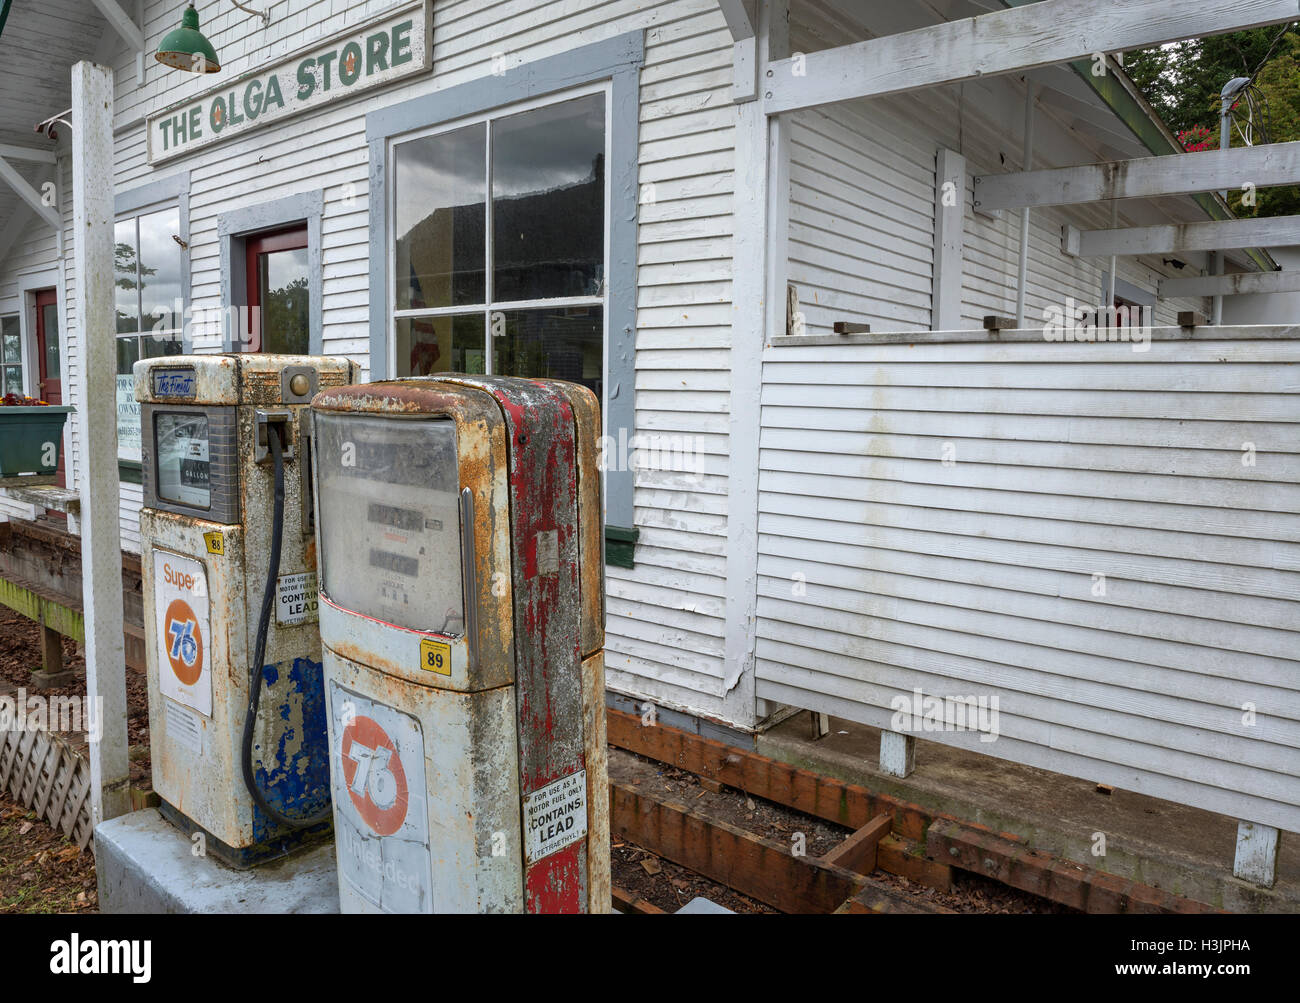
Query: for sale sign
pixel 183 630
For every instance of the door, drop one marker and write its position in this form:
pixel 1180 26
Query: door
pixel 279 292
pixel 48 354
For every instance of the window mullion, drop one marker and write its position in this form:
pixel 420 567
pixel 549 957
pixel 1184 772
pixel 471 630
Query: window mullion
pixel 488 353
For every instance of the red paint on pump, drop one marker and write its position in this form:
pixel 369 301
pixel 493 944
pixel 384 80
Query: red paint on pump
pixel 554 885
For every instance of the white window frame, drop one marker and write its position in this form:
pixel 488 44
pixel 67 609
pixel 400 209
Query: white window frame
pixel 487 308
pixel 136 214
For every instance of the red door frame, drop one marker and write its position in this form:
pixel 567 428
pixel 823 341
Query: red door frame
pixel 293 238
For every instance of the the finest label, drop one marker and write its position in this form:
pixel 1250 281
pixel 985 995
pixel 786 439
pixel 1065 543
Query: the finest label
pixel 174 382
pixel 381 814
pixel 435 656
pixel 296 599
pixel 184 727
pixel 389 49
pixel 555 816
pixel 182 630
pixel 215 542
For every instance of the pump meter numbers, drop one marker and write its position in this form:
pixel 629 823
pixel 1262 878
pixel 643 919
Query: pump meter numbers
pixel 435 656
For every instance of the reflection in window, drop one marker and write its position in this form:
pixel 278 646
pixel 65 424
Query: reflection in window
pixel 284 294
pixel 148 304
pixel 11 355
pixel 548 201
pixel 546 243
pixel 563 343
pixel 438 187
pixel 427 345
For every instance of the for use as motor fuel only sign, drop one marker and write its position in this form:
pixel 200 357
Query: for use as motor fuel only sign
pixel 555 816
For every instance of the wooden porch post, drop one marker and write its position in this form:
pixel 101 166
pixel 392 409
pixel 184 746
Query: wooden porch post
pixel 96 395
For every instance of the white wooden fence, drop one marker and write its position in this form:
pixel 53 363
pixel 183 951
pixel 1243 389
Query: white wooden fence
pixel 1107 541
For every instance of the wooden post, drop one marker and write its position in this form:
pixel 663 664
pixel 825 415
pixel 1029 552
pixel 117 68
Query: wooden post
pixel 1027 161
pixel 897 753
pixel 949 240
pixel 96 395
pixel 1256 859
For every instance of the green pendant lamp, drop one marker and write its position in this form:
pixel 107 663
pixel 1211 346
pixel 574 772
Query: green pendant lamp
pixel 185 48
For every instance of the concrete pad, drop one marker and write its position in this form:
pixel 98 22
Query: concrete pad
pixel 146 865
pixel 1180 849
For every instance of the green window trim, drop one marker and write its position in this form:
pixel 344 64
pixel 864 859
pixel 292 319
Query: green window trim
pixel 130 472
pixel 620 546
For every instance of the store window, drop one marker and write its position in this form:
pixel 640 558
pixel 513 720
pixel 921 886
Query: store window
pixel 11 355
pixel 499 254
pixel 148 306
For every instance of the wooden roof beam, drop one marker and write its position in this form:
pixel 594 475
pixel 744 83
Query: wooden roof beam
pixel 29 195
pixel 1216 235
pixel 1236 284
pixel 122 23
pixel 1004 41
pixel 1146 177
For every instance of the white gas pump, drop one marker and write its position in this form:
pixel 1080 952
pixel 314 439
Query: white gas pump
pixel 462 617
pixel 236 705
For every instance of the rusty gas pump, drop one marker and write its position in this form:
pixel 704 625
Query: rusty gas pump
pixel 236 705
pixel 462 622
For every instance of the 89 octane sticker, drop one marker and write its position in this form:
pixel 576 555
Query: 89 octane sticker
pixel 555 816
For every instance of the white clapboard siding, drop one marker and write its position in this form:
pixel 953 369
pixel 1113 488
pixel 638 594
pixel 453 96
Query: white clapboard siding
pixel 861 218
pixel 665 620
pixel 1096 556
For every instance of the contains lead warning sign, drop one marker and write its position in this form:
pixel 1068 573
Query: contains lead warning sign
pixel 296 599
pixel 555 816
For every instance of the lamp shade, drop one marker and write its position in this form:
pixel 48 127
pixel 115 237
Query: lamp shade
pixel 185 47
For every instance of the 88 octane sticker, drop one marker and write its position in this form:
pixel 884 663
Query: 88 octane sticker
pixel 382 817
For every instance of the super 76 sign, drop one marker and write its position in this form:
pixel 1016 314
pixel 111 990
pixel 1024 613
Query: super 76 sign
pixel 389 49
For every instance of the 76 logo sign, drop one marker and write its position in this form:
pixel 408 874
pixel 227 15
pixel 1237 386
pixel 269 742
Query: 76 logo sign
pixel 373 773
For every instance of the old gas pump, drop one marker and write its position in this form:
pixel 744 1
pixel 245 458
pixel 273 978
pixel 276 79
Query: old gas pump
pixel 462 617
pixel 236 704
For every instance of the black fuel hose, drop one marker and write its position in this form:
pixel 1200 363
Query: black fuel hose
pixel 263 626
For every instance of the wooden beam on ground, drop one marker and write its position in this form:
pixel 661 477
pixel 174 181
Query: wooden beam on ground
pixel 1063 881
pixel 1216 235
pixel 858 852
pixel 924 845
pixel 1236 284
pixel 1005 41
pixel 875 899
pixel 629 902
pixel 759 868
pixel 849 805
pixel 1146 177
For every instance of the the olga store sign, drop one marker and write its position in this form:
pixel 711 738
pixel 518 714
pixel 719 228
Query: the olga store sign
pixel 388 49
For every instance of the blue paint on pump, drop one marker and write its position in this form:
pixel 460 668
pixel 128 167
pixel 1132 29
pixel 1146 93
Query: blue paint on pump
pixel 294 773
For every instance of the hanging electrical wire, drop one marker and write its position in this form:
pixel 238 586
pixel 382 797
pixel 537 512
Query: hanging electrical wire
pixel 1256 100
